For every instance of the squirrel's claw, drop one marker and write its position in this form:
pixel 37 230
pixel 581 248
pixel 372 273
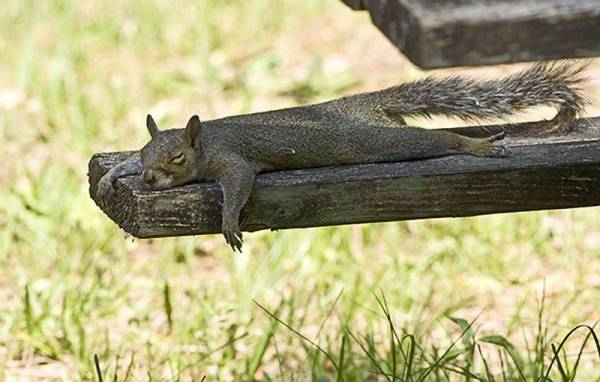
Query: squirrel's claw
pixel 497 137
pixel 498 152
pixel 234 238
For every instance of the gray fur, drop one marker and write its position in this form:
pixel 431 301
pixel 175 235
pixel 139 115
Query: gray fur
pixel 549 84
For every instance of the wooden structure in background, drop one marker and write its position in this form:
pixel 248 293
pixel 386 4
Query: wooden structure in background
pixel 540 174
pixel 445 33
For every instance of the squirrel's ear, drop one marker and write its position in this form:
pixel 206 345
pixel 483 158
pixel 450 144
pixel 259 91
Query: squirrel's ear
pixel 192 130
pixel 152 127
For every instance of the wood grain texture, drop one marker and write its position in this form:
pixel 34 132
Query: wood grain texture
pixel 541 174
pixel 445 33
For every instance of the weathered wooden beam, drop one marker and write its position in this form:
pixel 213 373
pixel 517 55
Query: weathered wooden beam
pixel 444 33
pixel 541 174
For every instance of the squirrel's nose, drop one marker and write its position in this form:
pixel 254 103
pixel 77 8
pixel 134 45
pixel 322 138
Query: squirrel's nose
pixel 148 176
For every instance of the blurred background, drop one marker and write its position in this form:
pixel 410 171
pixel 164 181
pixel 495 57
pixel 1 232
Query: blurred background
pixel 446 299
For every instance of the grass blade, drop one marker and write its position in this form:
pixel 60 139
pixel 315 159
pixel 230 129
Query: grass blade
pixel 592 333
pixel 168 306
pixel 302 336
pixel 512 351
pixel 369 355
pixel 440 359
pixel 98 370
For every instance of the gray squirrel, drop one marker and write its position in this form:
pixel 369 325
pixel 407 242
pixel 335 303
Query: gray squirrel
pixel 362 128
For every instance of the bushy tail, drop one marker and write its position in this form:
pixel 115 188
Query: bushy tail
pixel 552 84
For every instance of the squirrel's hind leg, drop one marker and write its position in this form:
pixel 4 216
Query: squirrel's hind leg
pixel 485 147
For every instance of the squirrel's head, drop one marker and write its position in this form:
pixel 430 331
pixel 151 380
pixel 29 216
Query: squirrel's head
pixel 171 157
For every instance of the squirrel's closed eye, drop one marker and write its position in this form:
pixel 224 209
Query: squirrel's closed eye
pixel 178 159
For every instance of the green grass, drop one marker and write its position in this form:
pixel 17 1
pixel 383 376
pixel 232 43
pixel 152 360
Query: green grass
pixel 477 299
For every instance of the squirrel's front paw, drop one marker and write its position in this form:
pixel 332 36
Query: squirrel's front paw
pixel 498 152
pixel 105 186
pixel 233 236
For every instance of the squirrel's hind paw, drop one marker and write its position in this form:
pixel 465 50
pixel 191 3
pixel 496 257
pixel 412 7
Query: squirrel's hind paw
pixel 498 152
